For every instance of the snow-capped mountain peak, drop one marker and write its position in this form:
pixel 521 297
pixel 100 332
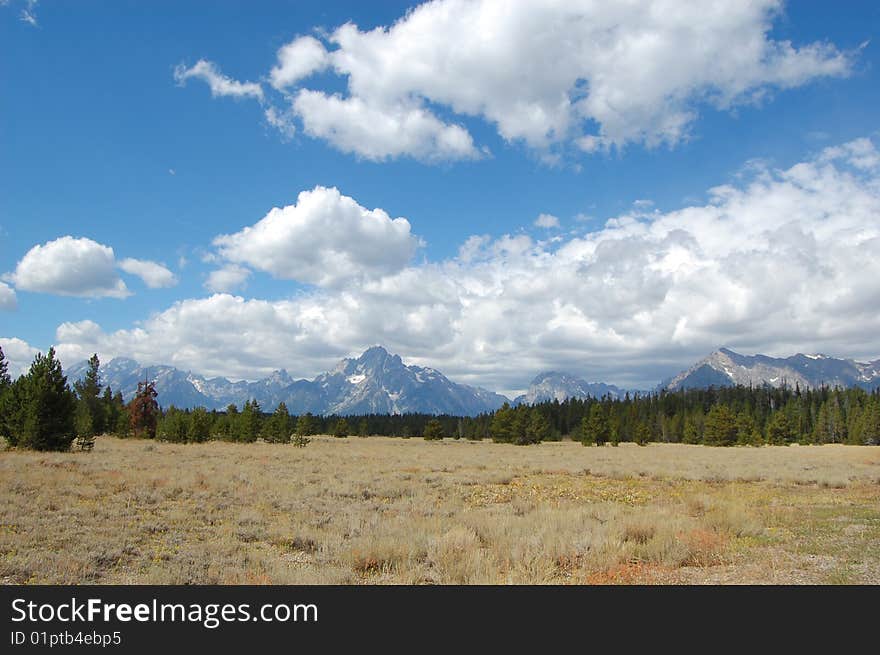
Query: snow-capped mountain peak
pixel 375 382
pixel 554 385
pixel 378 382
pixel 725 367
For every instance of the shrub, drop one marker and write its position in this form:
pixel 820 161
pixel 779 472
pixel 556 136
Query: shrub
pixel 300 441
pixel 340 428
pixel 433 430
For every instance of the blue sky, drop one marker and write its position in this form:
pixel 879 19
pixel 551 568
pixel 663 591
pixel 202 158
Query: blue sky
pixel 111 133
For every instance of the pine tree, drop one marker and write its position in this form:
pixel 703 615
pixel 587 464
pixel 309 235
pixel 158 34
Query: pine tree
pixel 277 428
pixel 305 425
pixel 108 410
pixel 822 432
pixel 83 424
pixel 538 428
pixel 779 429
pixel 173 426
pixel 433 430
pixel 855 422
pixel 12 402
pixel 143 411
pixel 747 430
pixel 869 428
pixel 585 436
pixel 693 428
pixel 836 422
pixel 501 428
pixel 642 434
pixel 595 427
pixel 720 427
pixel 123 422
pixel 519 424
pixel 227 423
pixel 7 405
pixel 340 428
pixel 90 417
pixel 5 380
pixel 48 406
pixel 615 433
pixel 249 422
pixel 199 426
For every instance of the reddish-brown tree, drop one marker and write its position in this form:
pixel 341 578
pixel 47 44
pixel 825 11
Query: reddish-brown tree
pixel 143 411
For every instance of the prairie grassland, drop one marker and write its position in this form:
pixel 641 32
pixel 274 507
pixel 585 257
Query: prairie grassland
pixel 379 510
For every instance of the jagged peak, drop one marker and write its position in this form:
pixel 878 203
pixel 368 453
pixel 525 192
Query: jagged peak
pixel 124 361
pixel 546 375
pixel 815 356
pixel 804 370
pixel 377 356
pixel 279 375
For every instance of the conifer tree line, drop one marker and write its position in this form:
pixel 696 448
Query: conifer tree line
pixel 40 410
pixel 725 416
pixel 717 416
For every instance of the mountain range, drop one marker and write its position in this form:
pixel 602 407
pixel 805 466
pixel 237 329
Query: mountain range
pixel 726 368
pixel 554 385
pixel 378 382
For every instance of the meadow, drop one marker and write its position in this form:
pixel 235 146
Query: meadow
pixel 387 511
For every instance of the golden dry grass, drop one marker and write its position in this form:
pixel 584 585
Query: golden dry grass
pixel 383 510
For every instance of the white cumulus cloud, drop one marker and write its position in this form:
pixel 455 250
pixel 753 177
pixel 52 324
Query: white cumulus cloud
pixel 550 74
pixel 228 278
pixel 192 333
pixel 547 221
pixel 780 261
pixel 8 301
pixel 155 276
pixel 381 132
pixel 297 60
pixel 70 266
pixel 281 121
pixel 326 238
pixel 18 354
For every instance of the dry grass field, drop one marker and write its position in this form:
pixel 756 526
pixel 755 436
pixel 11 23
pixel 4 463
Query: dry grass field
pixel 377 510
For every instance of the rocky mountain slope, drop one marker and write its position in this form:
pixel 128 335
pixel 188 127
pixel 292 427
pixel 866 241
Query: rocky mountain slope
pixel 553 385
pixel 724 367
pixel 376 382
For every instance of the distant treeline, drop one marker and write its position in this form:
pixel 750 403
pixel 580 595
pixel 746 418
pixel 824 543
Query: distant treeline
pixel 717 416
pixel 40 410
pixel 723 416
